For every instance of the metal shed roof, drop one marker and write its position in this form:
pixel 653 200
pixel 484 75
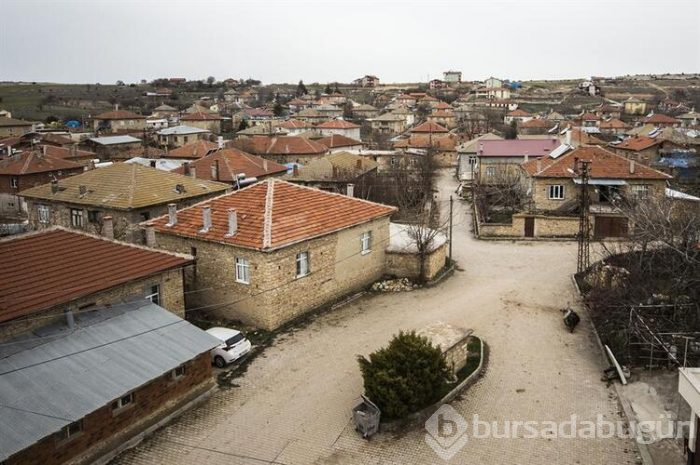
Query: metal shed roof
pixel 54 378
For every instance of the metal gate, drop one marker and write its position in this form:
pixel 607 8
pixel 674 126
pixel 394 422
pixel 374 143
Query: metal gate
pixel 610 226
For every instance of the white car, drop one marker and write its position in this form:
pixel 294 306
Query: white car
pixel 233 346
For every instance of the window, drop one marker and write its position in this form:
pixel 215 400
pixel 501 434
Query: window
pixel 94 216
pixel 366 242
pixel 14 182
pixel 123 402
pixel 640 191
pixel 393 161
pixel 71 430
pixel 154 295
pixel 145 216
pixel 185 139
pixel 242 270
pixel 490 171
pixel 555 192
pixel 177 373
pixel 302 264
pixel 43 213
pixel 76 218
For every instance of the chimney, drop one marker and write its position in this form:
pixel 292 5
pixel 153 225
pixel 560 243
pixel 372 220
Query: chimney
pixel 152 163
pixel 568 137
pixel 527 157
pixel 193 171
pixel 108 227
pixel 43 150
pixel 215 170
pixel 206 219
pixel 186 168
pixel 295 170
pixel 82 189
pixel 265 164
pixel 539 165
pixel 9 150
pixel 232 222
pixel 350 190
pixel 631 166
pixel 220 142
pixel 150 236
pixel 359 163
pixel 481 148
pixel 116 107
pixel 73 150
pixel 172 214
pixel 91 165
pixel 54 186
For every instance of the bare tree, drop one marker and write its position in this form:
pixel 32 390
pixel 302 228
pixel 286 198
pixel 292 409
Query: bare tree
pixel 423 232
pixel 500 193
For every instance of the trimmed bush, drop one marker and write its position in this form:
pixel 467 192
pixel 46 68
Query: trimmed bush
pixel 406 376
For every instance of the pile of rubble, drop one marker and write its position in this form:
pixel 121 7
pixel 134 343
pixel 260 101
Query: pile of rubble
pixel 394 285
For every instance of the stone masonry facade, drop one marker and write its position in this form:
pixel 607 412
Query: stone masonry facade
pixel 274 294
pixel 171 298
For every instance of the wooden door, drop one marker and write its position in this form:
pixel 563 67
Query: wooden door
pixel 529 226
pixel 610 226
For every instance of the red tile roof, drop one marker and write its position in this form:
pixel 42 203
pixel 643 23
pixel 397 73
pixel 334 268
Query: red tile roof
pixel 201 116
pixel 518 113
pixel 280 145
pixel 517 147
pixel 429 127
pixel 119 114
pixel 338 140
pixel 441 106
pixel 588 117
pixel 274 214
pixel 535 123
pixel 637 143
pixel 295 124
pixel 66 153
pixel 35 162
pixel 53 267
pixel 233 162
pixel 193 150
pixel 444 142
pixel 604 165
pixel 613 123
pixel 658 118
pixel 338 124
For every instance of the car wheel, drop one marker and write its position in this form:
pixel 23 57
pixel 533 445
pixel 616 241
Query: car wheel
pixel 219 361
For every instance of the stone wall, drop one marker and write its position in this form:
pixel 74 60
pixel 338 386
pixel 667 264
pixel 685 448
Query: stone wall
pixel 547 226
pixel 275 295
pixel 105 430
pixel 171 298
pixel 407 265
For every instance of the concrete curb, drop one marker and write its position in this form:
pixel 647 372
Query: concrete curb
pixel 644 453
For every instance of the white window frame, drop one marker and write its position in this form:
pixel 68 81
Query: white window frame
pixel 302 264
pixel 242 270
pixel 640 191
pixel 14 182
pixel 366 242
pixel 65 434
pixel 490 171
pixel 154 295
pixel 43 213
pixel 555 191
pixel 77 214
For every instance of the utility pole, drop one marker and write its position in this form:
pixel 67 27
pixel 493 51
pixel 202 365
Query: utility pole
pixel 451 201
pixel 582 169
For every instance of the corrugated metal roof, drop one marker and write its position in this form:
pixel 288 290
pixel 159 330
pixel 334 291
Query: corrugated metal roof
pixel 52 380
pixel 182 129
pixel 114 140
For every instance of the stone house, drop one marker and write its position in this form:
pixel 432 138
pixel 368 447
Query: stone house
pixel 48 272
pixel 365 111
pixel 114 147
pixel 312 116
pixel 498 161
pixel 642 149
pixel 203 120
pixel 294 127
pixel 113 122
pixel 466 156
pixel 282 149
pixel 662 121
pixel 270 252
pixel 335 173
pixel 519 116
pixel 388 124
pixel 12 127
pixel 193 150
pixel 129 193
pixel 554 190
pixel 337 143
pixel 444 118
pixel 233 167
pixel 339 127
pixel 177 136
pixel 28 169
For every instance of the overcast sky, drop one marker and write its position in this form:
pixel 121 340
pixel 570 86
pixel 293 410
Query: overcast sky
pixel 321 41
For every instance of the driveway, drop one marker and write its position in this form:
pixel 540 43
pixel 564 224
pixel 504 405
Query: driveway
pixel 293 404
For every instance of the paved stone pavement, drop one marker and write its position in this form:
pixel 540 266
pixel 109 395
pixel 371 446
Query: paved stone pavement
pixel 293 404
